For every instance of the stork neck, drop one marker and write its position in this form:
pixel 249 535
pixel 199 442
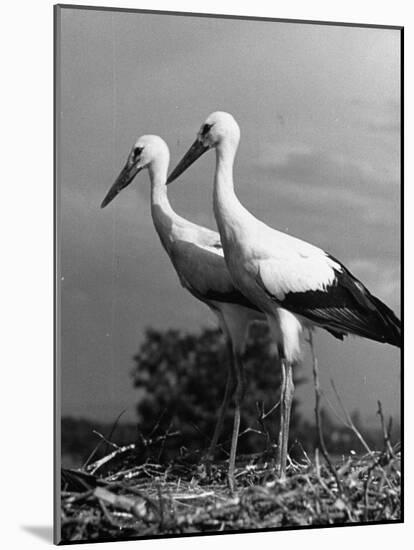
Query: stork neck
pixel 162 212
pixel 159 195
pixel 227 207
pixel 225 155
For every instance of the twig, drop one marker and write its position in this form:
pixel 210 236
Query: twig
pixel 319 477
pixel 385 431
pixel 275 406
pixel 189 496
pixel 250 430
pixel 318 414
pixel 108 516
pixel 160 507
pixel 301 447
pixel 114 425
pixel 366 489
pixel 96 465
pixel 93 453
pixel 350 422
pixel 197 429
pixel 334 411
pixel 136 506
pixel 73 498
pixel 261 417
pixel 260 421
pixel 163 439
pixel 352 426
pixel 158 422
pixel 108 443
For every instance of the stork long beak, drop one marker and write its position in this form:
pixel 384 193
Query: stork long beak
pixel 127 174
pixel 195 151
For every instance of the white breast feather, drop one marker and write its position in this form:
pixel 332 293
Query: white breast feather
pixel 213 250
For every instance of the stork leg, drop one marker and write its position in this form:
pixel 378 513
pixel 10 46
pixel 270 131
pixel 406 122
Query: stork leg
pixel 286 330
pixel 238 398
pixel 285 408
pixel 235 323
pixel 224 405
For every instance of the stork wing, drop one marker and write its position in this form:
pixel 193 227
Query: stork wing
pixel 209 238
pixel 202 270
pixel 321 289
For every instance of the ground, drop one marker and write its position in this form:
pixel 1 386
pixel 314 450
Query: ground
pixel 116 498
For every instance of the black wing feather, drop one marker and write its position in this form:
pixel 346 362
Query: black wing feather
pixel 346 306
pixel 232 297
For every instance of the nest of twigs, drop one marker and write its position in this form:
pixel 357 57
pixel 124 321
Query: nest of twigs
pixel 116 497
pixel 122 496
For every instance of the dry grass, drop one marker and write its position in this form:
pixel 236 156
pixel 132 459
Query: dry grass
pixel 116 498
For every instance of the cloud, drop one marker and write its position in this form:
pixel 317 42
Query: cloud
pixel 384 280
pixel 385 127
pixel 321 177
pixel 378 117
pixel 345 206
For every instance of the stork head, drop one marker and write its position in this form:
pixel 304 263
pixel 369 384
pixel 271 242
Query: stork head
pixel 219 128
pixel 146 153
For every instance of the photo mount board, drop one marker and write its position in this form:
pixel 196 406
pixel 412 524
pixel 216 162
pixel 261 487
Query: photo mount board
pixel 71 143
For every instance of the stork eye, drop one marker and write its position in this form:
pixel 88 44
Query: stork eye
pixel 137 151
pixel 205 130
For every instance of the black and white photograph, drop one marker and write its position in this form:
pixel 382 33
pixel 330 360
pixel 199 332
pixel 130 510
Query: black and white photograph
pixel 228 301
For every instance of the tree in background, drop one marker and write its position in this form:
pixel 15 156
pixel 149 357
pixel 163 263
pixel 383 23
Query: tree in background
pixel 182 379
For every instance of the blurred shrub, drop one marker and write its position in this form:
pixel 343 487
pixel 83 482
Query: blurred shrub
pixel 182 379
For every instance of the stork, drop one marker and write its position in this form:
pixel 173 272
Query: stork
pixel 295 284
pixel 197 256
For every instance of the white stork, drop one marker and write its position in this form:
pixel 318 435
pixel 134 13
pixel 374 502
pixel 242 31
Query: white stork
pixel 197 256
pixel 294 283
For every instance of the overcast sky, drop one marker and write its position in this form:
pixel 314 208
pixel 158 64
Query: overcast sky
pixel 319 112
